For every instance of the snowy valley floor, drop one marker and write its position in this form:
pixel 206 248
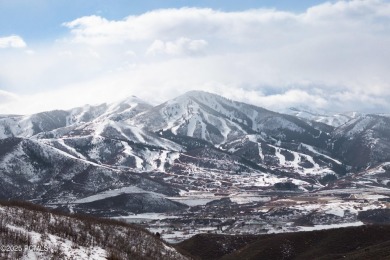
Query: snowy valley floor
pixel 267 213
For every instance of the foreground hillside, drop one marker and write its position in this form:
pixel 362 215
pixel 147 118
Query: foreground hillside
pixel 28 231
pixel 33 232
pixel 365 242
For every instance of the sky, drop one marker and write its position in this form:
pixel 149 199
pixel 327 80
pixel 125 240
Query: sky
pixel 328 56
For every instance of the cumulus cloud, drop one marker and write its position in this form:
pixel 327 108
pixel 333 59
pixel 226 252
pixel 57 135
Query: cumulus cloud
pixel 174 23
pixel 331 56
pixel 13 41
pixel 178 47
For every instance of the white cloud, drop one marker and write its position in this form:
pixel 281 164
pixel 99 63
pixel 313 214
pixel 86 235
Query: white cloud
pixel 30 52
pixel 179 47
pixel 13 41
pixel 6 96
pixel 331 56
pixel 174 23
pixel 130 53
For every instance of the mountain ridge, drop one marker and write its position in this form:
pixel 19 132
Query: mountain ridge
pixel 196 142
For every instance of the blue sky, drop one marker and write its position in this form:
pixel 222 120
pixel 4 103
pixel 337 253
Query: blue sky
pixel 59 54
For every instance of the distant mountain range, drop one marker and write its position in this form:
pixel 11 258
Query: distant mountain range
pixel 326 117
pixel 96 157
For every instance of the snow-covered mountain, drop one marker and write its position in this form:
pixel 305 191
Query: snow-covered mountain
pixel 328 118
pixel 131 151
pixel 363 141
pixel 28 126
pixel 218 120
pixel 34 170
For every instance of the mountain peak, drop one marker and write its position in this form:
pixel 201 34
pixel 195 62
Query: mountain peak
pixel 131 100
pixel 200 94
